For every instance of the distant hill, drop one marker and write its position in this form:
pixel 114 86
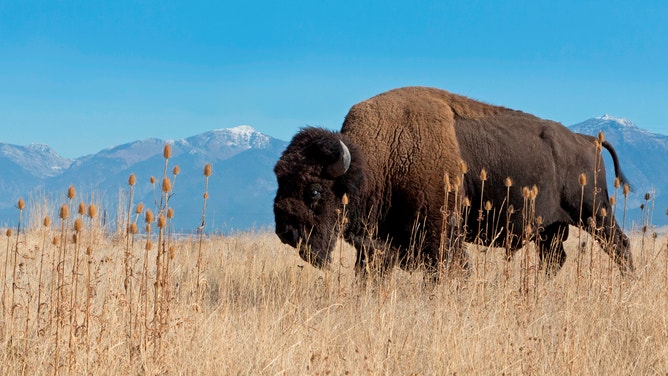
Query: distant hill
pixel 644 160
pixel 241 188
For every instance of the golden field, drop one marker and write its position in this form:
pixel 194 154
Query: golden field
pixel 262 310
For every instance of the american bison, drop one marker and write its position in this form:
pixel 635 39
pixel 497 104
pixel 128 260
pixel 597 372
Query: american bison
pixel 415 170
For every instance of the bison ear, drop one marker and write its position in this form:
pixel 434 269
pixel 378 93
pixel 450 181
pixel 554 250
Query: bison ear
pixel 341 166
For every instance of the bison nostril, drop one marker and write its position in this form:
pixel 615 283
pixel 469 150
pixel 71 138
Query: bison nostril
pixel 289 236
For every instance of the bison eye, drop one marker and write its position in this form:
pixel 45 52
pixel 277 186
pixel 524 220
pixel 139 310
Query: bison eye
pixel 313 193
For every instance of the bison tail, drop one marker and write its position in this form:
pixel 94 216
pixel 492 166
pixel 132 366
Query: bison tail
pixel 618 170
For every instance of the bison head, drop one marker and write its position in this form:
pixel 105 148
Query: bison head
pixel 314 172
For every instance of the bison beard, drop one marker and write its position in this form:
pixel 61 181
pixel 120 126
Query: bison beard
pixel 390 159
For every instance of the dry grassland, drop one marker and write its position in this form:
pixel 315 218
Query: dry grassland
pixel 261 310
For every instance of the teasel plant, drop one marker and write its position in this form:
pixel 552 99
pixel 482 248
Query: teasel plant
pixel 447 212
pixel 76 239
pixel 483 178
pixel 128 260
pixel 646 209
pixel 200 232
pixel 508 182
pixel 92 213
pixel 581 245
pixel 59 291
pixel 20 205
pixel 39 320
pixel 5 330
pixel 143 293
pixel 342 222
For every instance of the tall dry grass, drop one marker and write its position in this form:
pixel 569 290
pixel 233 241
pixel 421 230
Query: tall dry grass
pixel 264 311
pixel 79 300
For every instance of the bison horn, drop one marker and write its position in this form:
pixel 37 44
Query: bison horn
pixel 341 166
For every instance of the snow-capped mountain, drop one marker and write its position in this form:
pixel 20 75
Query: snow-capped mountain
pixel 643 156
pixel 36 159
pixel 241 188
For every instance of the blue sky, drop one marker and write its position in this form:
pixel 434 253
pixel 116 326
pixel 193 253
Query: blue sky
pixel 85 75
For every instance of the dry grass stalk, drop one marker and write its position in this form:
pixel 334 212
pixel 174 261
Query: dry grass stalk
pixel 200 231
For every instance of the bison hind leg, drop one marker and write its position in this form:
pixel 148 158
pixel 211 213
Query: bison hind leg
pixel 551 248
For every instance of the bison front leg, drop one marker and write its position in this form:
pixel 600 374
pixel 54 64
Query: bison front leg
pixel 446 253
pixel 374 259
pixel 551 248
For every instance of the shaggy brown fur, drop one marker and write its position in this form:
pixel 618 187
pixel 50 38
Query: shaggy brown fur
pixel 402 144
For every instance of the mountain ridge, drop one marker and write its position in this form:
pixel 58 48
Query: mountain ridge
pixel 243 184
pixel 643 155
pixel 103 175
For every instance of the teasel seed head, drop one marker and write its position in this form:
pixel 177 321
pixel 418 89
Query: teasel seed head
pixel 176 170
pixel 148 218
pixel 152 180
pixel 139 208
pixel 488 205
pixel 82 208
pixel 9 233
pixel 55 240
pixel 601 137
pixel 149 245
pixel 132 180
pixel 617 183
pixel 92 211
pixel 64 212
pixel 604 212
pixel 166 185
pixel 78 225
pixel 207 170
pixel 458 181
pixel 171 252
pixel 132 228
pixel 170 213
pixel 167 152
pixel 463 167
pixel 75 238
pixel 89 250
pixel 626 190
pixel 613 201
pixel 583 179
pixel 47 221
pixel 534 192
pixel 539 220
pixel 206 195
pixel 483 175
pixel 21 204
pixel 162 221
pixel 344 199
pixel 71 192
pixel 509 182
pixel 467 202
pixel 526 192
